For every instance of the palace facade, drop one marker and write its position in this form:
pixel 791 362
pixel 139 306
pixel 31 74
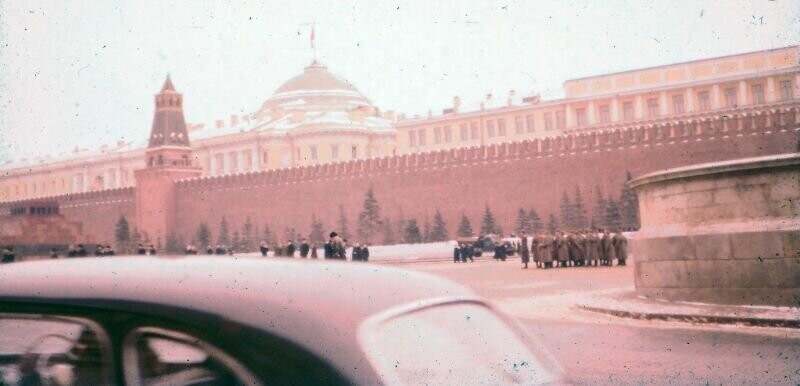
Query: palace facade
pixel 318 118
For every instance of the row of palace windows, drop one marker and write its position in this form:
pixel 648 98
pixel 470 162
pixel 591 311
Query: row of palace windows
pixel 494 128
pixel 653 109
pixel 34 210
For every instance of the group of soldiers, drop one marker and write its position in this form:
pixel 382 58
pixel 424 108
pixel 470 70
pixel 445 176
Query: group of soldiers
pixel 574 249
pixel 463 252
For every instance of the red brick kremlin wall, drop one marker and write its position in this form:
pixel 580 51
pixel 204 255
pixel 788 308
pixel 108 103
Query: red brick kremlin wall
pixel 530 174
pixel 505 177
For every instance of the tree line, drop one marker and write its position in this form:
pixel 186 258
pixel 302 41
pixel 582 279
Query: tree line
pixel 620 212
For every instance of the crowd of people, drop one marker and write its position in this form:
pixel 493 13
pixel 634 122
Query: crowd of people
pixel 574 249
pixel 335 248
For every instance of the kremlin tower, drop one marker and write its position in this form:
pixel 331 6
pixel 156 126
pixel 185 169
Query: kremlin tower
pixel 169 158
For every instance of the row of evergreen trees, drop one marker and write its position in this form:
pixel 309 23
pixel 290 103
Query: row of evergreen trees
pixel 372 227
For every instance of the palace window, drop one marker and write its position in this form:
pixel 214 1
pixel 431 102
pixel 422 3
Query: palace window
pixel 490 128
pixel 473 129
pixel 580 117
pixel 627 111
pixel 703 101
pixel 354 152
pixel 412 138
pixel 464 131
pixel 677 104
pixel 730 97
pixel 448 134
pixel 501 127
pixel 561 122
pixel 548 121
pixel 758 93
pixel 219 164
pixel 265 158
pixel 335 151
pixel 313 151
pixel 652 107
pixel 605 114
pixel 518 125
pixel 786 90
pixel 437 135
pixel 423 138
pixel 529 123
pixel 233 159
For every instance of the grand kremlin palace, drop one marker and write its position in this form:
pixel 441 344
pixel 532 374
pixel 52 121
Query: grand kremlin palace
pixel 317 117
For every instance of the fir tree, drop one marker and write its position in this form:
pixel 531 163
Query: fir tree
pixel 289 234
pixel 535 221
pixel 401 229
pixel 426 230
pixel 439 231
pixel 413 234
pixel 489 225
pixel 369 220
pixel 523 222
pixel 236 241
pixel 613 218
pixel 552 223
pixel 567 212
pixel 203 235
pixel 173 244
pixel 580 218
pixel 317 233
pixel 223 238
pixel 465 228
pixel 122 234
pixel 599 212
pixel 343 231
pixel 248 244
pixel 629 205
pixel 267 235
pixel 388 232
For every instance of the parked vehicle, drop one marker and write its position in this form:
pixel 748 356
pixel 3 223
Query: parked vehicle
pixel 218 320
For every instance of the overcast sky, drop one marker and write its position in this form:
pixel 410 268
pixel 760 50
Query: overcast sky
pixel 83 73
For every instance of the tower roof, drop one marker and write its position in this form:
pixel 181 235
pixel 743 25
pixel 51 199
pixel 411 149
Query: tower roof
pixel 168 86
pixel 169 126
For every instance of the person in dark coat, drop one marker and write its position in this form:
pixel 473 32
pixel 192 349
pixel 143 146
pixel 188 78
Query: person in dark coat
pixel 304 249
pixel 535 250
pixel 575 250
pixel 356 253
pixel 329 250
pixel 108 251
pixel 209 250
pixel 364 252
pixel 98 250
pixel 151 250
pixel 140 250
pixel 607 249
pixel 523 250
pixel 546 250
pixel 620 247
pixel 264 248
pixel 219 250
pixel 81 251
pixel 457 252
pixel 562 249
pixel 290 248
pixel 8 255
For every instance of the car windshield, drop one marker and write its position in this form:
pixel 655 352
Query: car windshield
pixel 453 344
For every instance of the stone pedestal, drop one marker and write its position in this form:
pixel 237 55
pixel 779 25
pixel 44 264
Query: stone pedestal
pixel 724 233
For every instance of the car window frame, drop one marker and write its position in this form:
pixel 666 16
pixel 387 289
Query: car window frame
pixel 102 336
pixel 130 354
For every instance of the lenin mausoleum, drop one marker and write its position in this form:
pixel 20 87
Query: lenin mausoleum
pixel 317 145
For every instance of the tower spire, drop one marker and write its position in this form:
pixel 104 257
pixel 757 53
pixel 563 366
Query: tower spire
pixel 169 126
pixel 313 46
